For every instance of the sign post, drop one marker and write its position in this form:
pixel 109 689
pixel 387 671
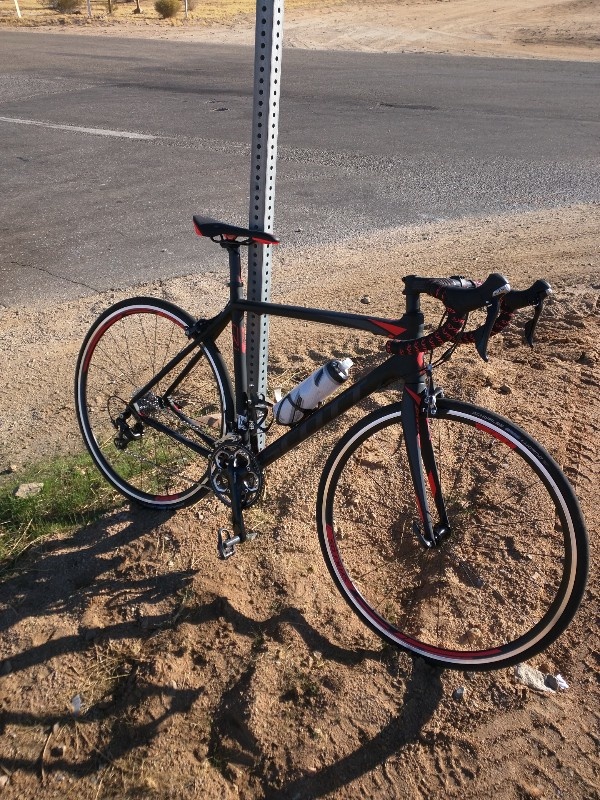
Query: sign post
pixel 267 86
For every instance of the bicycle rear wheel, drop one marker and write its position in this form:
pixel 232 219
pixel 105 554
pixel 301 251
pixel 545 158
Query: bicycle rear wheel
pixel 511 575
pixel 126 347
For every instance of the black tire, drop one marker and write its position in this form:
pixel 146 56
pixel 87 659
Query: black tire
pixel 127 345
pixel 511 575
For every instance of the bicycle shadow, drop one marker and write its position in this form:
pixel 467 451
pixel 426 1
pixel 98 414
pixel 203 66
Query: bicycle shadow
pixel 65 574
pixel 233 742
pixel 64 577
pixel 423 693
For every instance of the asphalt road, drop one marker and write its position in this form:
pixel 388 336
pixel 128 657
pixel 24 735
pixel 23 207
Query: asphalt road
pixel 367 142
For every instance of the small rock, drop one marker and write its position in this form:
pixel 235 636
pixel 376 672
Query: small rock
pixel 3 781
pixel 531 677
pixel 58 751
pixel 28 490
pixel 339 533
pixel 76 705
pixel 504 389
pixel 365 300
pixel 459 693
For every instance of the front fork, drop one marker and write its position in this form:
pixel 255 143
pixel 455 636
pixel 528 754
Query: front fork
pixel 418 405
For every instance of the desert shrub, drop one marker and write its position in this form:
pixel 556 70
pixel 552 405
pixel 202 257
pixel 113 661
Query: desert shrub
pixel 167 8
pixel 64 6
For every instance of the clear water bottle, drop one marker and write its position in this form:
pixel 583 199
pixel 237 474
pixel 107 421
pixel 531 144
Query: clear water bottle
pixel 312 391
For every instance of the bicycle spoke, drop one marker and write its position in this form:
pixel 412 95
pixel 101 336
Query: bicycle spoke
pixel 146 462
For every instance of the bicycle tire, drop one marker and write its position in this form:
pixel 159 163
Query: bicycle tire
pixel 126 346
pixel 507 581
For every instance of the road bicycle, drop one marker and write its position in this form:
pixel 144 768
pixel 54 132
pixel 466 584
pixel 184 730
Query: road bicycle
pixel 447 529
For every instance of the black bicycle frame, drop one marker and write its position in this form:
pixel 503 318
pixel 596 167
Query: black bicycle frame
pixel 408 370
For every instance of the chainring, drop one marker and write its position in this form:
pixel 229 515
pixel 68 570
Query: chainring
pixel 230 457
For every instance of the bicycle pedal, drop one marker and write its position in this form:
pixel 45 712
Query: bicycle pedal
pixel 226 545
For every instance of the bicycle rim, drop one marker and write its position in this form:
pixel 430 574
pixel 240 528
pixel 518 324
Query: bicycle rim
pixel 510 576
pixel 128 345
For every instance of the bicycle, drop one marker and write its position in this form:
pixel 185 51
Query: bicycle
pixel 447 529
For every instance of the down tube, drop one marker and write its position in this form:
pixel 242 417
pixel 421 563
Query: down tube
pixel 383 375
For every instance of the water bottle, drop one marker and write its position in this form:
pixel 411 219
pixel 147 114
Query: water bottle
pixel 312 391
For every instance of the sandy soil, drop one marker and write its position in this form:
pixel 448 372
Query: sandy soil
pixel 250 678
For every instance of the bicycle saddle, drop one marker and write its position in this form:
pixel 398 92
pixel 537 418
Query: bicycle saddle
pixel 213 229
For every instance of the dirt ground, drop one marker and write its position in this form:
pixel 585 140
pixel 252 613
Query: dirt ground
pixel 134 664
pixel 250 678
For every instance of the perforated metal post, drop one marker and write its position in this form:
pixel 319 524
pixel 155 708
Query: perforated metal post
pixel 267 83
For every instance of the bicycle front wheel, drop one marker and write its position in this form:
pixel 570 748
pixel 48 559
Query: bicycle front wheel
pixel 508 579
pixel 127 346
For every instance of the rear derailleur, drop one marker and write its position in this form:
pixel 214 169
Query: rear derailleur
pixel 237 480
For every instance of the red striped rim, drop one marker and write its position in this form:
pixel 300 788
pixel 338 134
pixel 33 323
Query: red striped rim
pixel 113 319
pixel 496 434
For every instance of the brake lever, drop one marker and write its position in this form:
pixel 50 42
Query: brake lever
pixel 531 325
pixel 534 296
pixel 482 334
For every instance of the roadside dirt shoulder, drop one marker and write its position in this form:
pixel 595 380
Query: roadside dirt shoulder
pixel 555 29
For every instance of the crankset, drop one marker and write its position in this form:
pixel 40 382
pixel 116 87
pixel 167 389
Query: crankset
pixel 234 469
pixel 237 480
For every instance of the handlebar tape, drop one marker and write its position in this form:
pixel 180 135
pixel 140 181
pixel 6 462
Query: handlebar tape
pixel 459 296
pixel 448 332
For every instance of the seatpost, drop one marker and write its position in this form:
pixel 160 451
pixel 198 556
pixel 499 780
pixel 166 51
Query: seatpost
pixel 238 332
pixel 235 269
